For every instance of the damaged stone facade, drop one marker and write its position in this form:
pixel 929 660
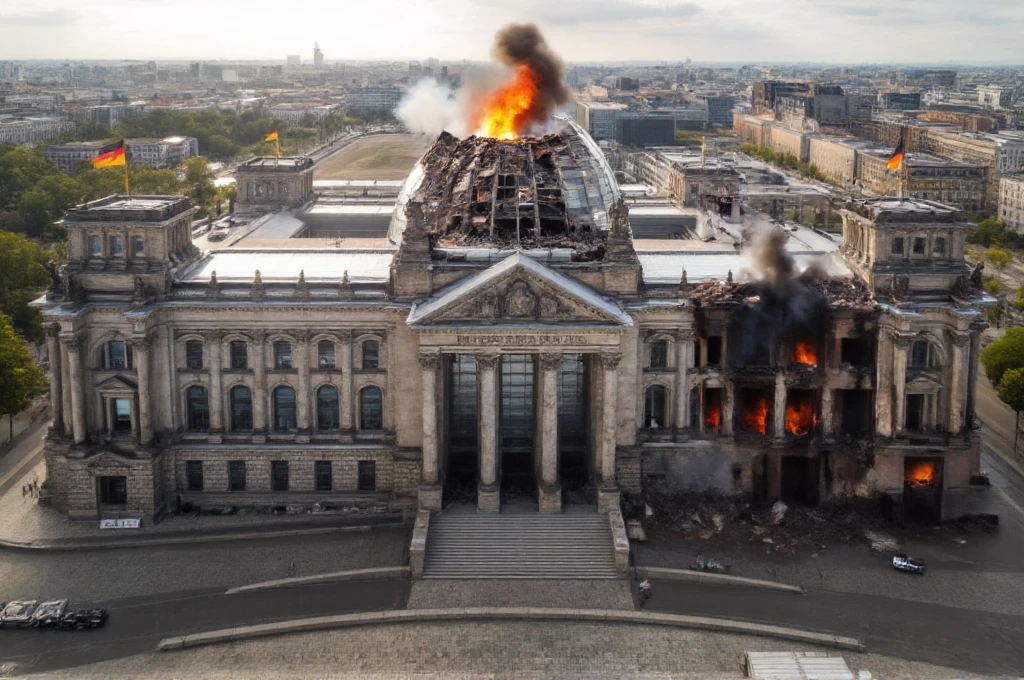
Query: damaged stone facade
pixel 508 348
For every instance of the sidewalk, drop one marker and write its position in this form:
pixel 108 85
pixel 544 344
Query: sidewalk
pixel 37 412
pixel 25 524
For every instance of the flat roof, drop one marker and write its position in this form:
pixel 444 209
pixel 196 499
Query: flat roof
pixel 240 264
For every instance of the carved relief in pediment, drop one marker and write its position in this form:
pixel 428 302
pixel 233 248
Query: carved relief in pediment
pixel 521 299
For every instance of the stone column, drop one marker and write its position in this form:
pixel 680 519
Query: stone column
pixel 259 392
pixel 779 412
pixel 972 374
pixel 827 395
pixel 430 489
pixel 345 364
pixel 72 346
pixel 608 493
pixel 550 491
pixel 488 493
pixel 65 388
pixel 683 344
pixel 958 382
pixel 899 380
pixel 728 407
pixel 141 346
pixel 883 384
pixel 213 341
pixel 302 393
pixel 56 389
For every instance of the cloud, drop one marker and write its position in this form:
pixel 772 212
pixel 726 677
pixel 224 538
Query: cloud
pixel 577 12
pixel 43 18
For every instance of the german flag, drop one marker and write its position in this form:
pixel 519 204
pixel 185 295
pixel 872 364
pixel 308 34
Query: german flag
pixel 110 156
pixel 896 160
pixel 272 137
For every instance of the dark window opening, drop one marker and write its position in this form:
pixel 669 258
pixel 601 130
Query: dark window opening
pixel 696 355
pixel 327 410
pixel 236 475
pixel 139 245
pixel 654 408
pixel 118 356
pixel 325 354
pixel 715 350
pixel 939 247
pixel 919 246
pixel 856 412
pixel 324 475
pixel 95 246
pixel 194 355
pixel 194 475
pixel 921 355
pixel 279 475
pixel 241 408
pixel 659 354
pixel 116 245
pixel 239 355
pixel 897 245
pixel 284 409
pixel 113 490
pixel 371 355
pixel 915 413
pixel 282 354
pixel 367 475
pixel 198 408
pixel 121 415
pixel 854 351
pixel 371 409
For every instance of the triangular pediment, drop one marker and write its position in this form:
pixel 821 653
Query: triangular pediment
pixel 108 459
pixel 517 290
pixel 923 383
pixel 117 383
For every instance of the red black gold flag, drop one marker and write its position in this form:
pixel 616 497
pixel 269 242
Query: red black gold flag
pixel 896 160
pixel 110 156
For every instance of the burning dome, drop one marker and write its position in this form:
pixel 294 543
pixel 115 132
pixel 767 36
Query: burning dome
pixel 531 192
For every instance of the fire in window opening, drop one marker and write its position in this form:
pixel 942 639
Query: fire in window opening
pixel 801 415
pixel 713 409
pixel 804 353
pixel 920 472
pixel 754 416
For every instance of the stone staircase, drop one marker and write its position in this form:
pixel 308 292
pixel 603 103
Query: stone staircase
pixel 570 546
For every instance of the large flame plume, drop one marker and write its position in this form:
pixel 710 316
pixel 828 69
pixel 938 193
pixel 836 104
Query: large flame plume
pixel 920 472
pixel 534 91
pixel 755 415
pixel 803 353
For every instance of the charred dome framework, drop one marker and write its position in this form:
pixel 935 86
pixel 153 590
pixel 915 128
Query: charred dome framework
pixel 553 191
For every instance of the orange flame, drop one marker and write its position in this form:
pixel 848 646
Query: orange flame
pixel 919 472
pixel 804 354
pixel 714 417
pixel 800 417
pixel 755 417
pixel 506 114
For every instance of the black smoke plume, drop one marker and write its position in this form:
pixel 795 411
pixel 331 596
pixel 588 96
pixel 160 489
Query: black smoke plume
pixel 517 44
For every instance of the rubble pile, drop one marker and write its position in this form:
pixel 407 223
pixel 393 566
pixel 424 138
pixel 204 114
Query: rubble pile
pixel 838 292
pixel 485 191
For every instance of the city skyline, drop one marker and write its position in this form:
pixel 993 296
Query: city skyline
pixel 872 31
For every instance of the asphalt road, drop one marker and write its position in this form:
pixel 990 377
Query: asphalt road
pixel 136 625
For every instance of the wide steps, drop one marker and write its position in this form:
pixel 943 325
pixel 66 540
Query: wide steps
pixel 520 547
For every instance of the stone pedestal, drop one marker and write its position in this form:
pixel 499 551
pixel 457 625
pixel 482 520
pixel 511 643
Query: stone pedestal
pixel 430 497
pixel 608 499
pixel 549 498
pixel 488 498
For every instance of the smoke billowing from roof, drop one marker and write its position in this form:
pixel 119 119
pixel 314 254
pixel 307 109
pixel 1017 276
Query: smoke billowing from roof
pixel 523 44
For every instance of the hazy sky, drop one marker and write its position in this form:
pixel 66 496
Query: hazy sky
pixel 709 30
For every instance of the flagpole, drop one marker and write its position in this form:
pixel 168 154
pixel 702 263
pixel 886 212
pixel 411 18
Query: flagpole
pixel 127 188
pixel 277 145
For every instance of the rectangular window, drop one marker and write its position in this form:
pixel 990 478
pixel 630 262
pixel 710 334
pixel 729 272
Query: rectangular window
pixel 117 355
pixel 367 475
pixel 116 245
pixel 138 246
pixel 194 474
pixel 940 246
pixel 282 355
pixel 324 475
pixel 919 354
pixel 897 245
pixel 113 490
pixel 95 246
pixel 371 355
pixel 918 246
pixel 659 354
pixel 325 354
pixel 236 475
pixel 715 350
pixel 121 415
pixel 239 356
pixel 194 355
pixel 279 475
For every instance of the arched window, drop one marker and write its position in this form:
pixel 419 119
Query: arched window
pixel 371 409
pixel 197 406
pixel 327 408
pixel 371 355
pixel 282 354
pixel 241 408
pixel 325 354
pixel 194 354
pixel 659 354
pixel 654 407
pixel 284 408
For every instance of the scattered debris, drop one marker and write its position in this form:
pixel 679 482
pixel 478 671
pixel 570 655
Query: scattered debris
pixel 779 512
pixel 911 565
pixel 881 542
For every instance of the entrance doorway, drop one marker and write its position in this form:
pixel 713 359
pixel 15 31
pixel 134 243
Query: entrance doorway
pixel 518 426
pixel 574 468
pixel 463 460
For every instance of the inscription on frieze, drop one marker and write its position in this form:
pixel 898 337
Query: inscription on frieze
pixel 520 340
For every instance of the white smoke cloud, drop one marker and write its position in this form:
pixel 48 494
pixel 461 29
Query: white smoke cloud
pixel 430 107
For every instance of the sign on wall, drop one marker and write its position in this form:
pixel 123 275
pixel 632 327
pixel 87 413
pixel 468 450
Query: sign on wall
pixel 121 523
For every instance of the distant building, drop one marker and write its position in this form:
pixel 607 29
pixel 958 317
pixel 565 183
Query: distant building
pixel 932 78
pixel 994 97
pixel 68 157
pixel 901 101
pixel 752 129
pixel 1011 202
pixel 1002 154
pixel 627 84
pixel 274 183
pixel 318 56
pixel 373 99
pixel 835 157
pixel 928 177
pixel 719 108
pixel 33 129
pixel 161 153
pixel 793 142
pixel 598 118
pixel 645 129
pixel 294 60
pixel 111 115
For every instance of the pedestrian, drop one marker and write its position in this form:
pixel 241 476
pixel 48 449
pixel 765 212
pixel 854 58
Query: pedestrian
pixel 24 490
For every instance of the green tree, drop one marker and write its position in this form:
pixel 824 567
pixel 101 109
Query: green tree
pixel 1019 302
pixel 21 379
pixel 199 184
pixel 992 286
pixel 999 258
pixel 1011 391
pixel 989 232
pixel 23 278
pixel 1005 354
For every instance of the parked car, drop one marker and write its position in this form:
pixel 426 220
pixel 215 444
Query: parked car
pixel 53 613
pixel 911 565
pixel 84 619
pixel 49 613
pixel 16 613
